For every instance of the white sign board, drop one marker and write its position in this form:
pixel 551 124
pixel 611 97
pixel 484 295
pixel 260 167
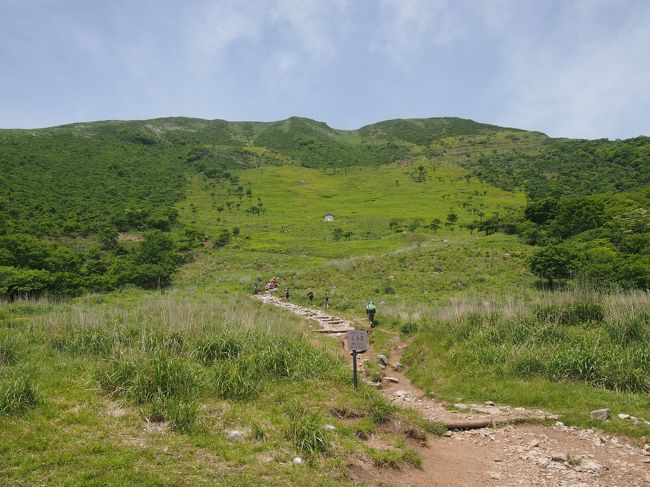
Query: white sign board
pixel 358 340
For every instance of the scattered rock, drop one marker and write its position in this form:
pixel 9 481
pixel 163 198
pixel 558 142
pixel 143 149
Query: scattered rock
pixel 400 393
pixel 448 434
pixel 398 367
pixel 329 427
pixel 297 460
pixel 376 385
pixel 589 464
pixel 460 405
pixel 495 476
pixel 602 414
pixel 558 457
pixel 489 403
pixel 623 416
pixel 394 380
pixel 382 359
pixel 235 434
pixel 533 444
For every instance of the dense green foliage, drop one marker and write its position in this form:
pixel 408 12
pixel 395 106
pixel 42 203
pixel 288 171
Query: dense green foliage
pixel 77 187
pixel 603 239
pixel 568 167
pixel 30 267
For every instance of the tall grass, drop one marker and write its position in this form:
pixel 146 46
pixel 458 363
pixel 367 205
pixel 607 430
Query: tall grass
pixel 17 395
pixel 165 353
pixel 307 430
pixel 585 336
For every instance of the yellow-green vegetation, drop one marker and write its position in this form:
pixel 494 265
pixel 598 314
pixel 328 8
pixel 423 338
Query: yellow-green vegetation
pixel 379 211
pixel 178 389
pixel 195 383
pixel 569 352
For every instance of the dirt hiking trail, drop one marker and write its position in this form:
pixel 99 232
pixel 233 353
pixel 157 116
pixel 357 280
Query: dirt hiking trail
pixel 514 450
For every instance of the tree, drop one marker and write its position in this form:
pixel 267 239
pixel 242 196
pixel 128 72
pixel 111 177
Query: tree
pixel 435 225
pixel 222 239
pixel 541 211
pixel 553 262
pixel 337 233
pixel 452 217
pixel 107 237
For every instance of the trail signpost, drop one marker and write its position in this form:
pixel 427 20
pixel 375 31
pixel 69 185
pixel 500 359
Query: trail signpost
pixel 357 343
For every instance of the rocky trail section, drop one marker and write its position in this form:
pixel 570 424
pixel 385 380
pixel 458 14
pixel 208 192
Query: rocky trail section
pixel 518 454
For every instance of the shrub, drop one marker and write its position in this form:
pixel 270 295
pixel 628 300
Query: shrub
pixel 17 395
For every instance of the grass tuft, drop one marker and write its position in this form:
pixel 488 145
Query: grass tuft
pixel 17 395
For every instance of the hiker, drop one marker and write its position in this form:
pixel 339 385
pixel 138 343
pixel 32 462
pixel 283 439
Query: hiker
pixel 310 297
pixel 286 293
pixel 256 288
pixel 326 300
pixel 370 311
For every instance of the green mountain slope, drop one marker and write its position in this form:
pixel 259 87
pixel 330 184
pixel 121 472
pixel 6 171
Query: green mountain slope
pixel 81 186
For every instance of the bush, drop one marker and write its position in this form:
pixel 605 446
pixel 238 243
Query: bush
pixel 17 395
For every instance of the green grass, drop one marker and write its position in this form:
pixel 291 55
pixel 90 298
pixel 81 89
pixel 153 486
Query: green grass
pixel 571 361
pixel 136 387
pixel 96 416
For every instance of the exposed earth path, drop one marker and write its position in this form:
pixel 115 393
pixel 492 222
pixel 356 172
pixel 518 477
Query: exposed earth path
pixel 520 454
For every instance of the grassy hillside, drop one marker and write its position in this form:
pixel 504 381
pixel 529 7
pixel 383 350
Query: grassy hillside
pixel 147 387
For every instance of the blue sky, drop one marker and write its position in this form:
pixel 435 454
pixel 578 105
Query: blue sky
pixel 567 68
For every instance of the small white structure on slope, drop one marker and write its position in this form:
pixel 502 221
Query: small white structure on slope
pixel 328 217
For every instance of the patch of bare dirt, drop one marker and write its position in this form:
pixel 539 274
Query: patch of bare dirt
pixel 129 237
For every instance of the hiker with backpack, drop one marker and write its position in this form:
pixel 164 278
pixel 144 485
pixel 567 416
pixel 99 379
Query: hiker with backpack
pixel 310 297
pixel 370 311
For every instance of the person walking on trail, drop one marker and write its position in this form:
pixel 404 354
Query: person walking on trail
pixel 326 300
pixel 370 311
pixel 310 297
pixel 256 288
pixel 286 293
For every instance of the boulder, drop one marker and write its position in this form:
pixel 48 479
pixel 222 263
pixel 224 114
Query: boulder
pixel 602 414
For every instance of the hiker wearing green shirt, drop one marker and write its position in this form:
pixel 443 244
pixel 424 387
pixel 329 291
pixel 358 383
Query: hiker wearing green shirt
pixel 370 311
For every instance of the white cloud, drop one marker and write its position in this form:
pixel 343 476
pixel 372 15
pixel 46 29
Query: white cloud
pixel 223 24
pixel 411 25
pixel 586 88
